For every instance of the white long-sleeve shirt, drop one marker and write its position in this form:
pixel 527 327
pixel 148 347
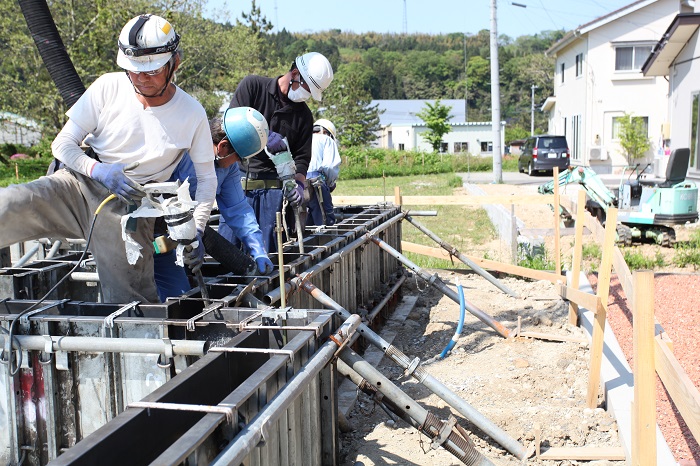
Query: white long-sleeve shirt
pixel 325 157
pixel 111 120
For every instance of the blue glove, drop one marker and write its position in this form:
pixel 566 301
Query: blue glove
pixel 264 264
pixel 275 143
pixel 112 177
pixel 194 257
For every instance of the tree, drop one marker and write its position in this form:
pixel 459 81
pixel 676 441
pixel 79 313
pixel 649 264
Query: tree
pixel 436 117
pixel 347 103
pixel 634 138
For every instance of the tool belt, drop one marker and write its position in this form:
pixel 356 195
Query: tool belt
pixel 249 185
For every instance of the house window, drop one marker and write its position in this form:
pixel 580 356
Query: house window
pixel 486 146
pixel 461 147
pixel 579 65
pixel 631 57
pixel 402 146
pixel 694 130
pixel 575 144
pixel 616 126
pixel 444 147
pixel 562 73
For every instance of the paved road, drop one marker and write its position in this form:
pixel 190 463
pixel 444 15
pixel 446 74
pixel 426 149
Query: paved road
pixel 611 181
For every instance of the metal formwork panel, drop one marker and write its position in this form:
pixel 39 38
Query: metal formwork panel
pixel 82 408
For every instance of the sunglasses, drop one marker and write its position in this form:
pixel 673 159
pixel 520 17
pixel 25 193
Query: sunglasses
pixel 153 72
pixel 302 83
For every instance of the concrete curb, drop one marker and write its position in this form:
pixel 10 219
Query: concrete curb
pixel 618 382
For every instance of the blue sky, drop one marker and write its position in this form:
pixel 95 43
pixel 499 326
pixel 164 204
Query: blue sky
pixel 425 16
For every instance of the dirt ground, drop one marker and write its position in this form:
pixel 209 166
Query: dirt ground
pixel 522 385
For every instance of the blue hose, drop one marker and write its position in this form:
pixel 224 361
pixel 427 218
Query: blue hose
pixel 460 324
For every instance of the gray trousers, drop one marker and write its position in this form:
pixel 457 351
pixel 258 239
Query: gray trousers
pixel 62 205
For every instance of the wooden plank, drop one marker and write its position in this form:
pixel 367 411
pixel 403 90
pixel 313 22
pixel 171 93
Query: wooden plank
pixel 557 224
pixel 578 254
pixel 683 392
pixel 644 408
pixel 584 453
pixel 448 200
pixel 579 298
pixel 440 253
pixel 548 336
pixel 397 196
pixel 603 290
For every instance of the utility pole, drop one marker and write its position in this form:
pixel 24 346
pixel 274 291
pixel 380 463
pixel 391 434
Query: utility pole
pixel 532 112
pixel 495 100
pixel 466 82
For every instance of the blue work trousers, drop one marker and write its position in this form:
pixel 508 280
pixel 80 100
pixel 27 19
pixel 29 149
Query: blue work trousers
pixel 316 217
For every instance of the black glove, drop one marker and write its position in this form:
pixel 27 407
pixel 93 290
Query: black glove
pixel 194 257
pixel 275 143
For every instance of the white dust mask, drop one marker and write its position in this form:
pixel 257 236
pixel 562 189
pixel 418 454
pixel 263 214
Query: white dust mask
pixel 298 95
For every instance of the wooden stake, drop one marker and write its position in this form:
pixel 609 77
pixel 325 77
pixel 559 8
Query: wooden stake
pixel 644 408
pixel 603 291
pixel 578 254
pixel 538 439
pixel 557 224
pixel 17 171
pixel 397 196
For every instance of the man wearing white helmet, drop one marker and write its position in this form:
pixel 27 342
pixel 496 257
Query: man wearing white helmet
pixel 241 133
pixel 281 100
pixel 323 173
pixel 137 125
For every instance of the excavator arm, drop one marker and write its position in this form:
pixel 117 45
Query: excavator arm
pixel 591 182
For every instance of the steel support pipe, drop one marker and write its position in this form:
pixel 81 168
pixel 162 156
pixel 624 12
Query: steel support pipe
pixel 377 309
pixel 25 258
pixel 435 281
pixel 274 295
pixel 431 426
pixel 52 343
pixel 54 249
pixel 414 369
pixel 454 252
pixel 258 428
pixel 85 277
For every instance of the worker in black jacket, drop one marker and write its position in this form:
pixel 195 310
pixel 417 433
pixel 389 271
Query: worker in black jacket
pixel 281 101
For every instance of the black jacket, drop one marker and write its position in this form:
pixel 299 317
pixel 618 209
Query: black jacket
pixel 291 119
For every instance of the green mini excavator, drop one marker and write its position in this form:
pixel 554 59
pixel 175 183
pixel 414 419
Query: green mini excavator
pixel 647 207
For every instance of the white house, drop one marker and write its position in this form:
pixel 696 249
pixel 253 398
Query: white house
pixel 401 128
pixel 598 79
pixel 16 129
pixel 674 57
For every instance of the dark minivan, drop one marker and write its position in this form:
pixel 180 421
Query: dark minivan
pixel 544 152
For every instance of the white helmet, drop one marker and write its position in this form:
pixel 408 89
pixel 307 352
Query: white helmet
pixel 146 43
pixel 316 71
pixel 246 129
pixel 327 125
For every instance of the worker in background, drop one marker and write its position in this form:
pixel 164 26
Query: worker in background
pixel 241 133
pixel 323 173
pixel 138 124
pixel 281 100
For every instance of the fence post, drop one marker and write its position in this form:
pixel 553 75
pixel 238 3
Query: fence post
pixel 603 290
pixel 578 254
pixel 557 222
pixel 644 405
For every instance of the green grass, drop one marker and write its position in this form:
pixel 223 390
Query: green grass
pixel 460 227
pixel 637 261
pixel 688 254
